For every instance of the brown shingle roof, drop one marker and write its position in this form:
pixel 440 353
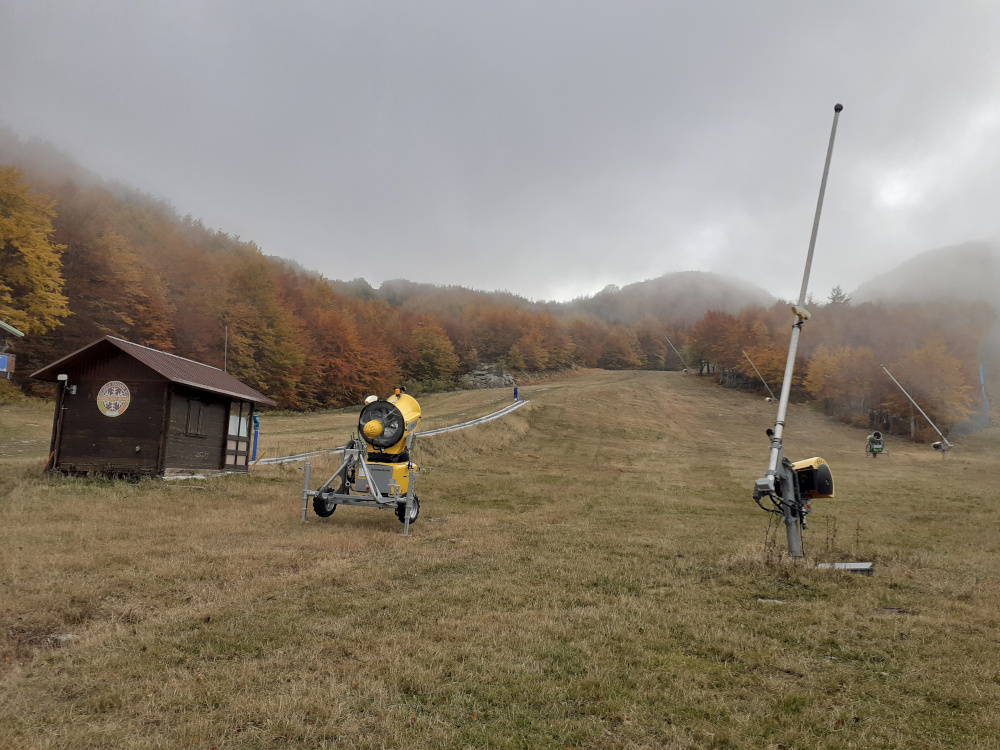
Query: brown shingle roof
pixel 170 366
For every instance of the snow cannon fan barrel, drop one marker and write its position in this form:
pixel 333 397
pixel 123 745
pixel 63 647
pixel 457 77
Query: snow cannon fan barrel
pixel 386 425
pixel 814 477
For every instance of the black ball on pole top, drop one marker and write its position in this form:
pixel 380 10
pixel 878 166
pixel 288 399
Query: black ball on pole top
pixel 838 107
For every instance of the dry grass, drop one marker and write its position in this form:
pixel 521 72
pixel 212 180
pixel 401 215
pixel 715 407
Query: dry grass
pixel 589 572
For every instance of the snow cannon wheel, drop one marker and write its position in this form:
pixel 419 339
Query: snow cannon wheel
pixel 324 508
pixel 414 512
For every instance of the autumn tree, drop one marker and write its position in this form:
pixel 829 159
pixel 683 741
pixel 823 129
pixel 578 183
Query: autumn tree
pixel 587 335
pixel 344 361
pixel 264 349
pixel 712 342
pixel 31 281
pixel 936 380
pixel 622 351
pixel 432 355
pixel 121 294
pixel 655 352
pixel 543 345
pixel 843 379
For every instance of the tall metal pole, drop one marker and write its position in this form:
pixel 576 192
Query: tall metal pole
pixel 758 373
pixel 792 508
pixel 686 368
pixel 947 445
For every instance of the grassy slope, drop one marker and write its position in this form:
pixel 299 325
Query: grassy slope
pixel 587 572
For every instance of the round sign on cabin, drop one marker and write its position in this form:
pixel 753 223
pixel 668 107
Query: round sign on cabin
pixel 113 398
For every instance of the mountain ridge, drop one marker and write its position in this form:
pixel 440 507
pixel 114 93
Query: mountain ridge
pixel 968 272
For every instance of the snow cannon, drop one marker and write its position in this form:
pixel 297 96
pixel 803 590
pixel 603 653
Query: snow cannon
pixel 377 470
pixel 790 487
pixel 876 444
pixel 942 445
pixel 386 425
pixel 814 478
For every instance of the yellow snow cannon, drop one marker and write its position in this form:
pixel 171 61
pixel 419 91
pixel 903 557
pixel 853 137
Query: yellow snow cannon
pixel 801 483
pixel 815 478
pixel 386 426
pixel 377 470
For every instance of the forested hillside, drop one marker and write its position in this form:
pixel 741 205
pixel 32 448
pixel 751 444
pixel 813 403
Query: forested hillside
pixel 133 268
pixel 81 257
pixel 933 348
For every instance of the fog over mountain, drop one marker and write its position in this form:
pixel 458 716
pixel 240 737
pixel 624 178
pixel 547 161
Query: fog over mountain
pixel 968 272
pixel 549 149
pixel 681 298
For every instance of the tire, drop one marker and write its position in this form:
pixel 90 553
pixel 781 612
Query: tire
pixel 324 508
pixel 401 511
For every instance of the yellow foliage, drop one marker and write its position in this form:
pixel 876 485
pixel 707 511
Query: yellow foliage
pixel 31 279
pixel 934 377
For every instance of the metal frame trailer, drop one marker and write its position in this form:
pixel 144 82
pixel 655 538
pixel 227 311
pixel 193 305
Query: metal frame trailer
pixel 375 483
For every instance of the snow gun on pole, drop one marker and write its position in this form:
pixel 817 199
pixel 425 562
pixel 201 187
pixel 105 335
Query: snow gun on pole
pixel 790 487
pixel 772 398
pixel 683 361
pixel 942 445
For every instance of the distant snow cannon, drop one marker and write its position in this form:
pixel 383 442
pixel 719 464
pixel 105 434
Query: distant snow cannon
pixel 769 399
pixel 875 445
pixel 377 470
pixel 941 445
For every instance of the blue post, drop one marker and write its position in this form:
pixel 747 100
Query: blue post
pixel 256 433
pixel 515 393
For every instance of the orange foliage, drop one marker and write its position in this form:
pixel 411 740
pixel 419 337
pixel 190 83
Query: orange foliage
pixel 134 269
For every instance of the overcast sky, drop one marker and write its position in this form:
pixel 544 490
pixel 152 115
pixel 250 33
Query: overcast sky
pixel 547 148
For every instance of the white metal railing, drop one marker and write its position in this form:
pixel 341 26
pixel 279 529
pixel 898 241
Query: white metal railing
pixel 425 433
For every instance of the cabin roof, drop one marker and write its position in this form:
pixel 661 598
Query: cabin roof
pixel 172 367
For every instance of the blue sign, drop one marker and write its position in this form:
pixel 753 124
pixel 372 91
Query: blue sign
pixel 256 434
pixel 7 362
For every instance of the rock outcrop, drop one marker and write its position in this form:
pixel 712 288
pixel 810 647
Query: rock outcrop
pixel 488 376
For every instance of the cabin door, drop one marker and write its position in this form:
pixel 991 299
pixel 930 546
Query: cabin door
pixel 238 436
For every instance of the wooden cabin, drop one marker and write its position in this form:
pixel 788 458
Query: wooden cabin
pixel 123 408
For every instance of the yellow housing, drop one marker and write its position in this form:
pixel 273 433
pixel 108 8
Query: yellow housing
pixel 814 477
pixel 385 425
pixel 409 408
pixel 392 480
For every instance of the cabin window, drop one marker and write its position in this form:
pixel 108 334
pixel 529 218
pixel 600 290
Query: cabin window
pixel 195 418
pixel 238 425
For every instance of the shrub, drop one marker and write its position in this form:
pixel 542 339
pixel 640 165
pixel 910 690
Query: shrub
pixel 10 393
